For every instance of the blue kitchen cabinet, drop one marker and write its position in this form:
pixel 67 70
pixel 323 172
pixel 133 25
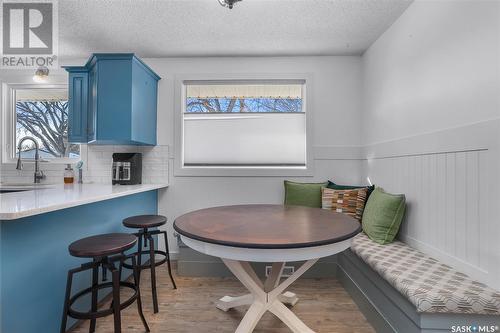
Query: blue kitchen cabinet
pixel 120 104
pixel 91 116
pixel 78 105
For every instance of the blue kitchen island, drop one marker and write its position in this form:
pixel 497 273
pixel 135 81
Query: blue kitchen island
pixel 35 230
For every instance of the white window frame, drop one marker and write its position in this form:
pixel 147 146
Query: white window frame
pixel 241 171
pixel 9 123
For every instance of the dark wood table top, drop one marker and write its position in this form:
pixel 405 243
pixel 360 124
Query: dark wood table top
pixel 267 226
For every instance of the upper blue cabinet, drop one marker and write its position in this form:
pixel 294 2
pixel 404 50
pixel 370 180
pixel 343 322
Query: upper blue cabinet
pixel 112 100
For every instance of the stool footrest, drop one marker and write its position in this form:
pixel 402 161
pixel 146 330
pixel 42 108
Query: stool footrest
pixel 101 313
pixel 148 265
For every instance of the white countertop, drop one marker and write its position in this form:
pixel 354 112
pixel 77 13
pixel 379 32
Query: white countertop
pixel 48 198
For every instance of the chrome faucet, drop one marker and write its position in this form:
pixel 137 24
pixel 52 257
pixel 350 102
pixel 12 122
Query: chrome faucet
pixel 38 174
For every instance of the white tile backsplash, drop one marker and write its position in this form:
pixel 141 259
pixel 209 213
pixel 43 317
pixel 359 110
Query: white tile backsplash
pixel 97 166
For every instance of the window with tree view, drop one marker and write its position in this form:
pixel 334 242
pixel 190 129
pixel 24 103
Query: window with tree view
pixel 43 114
pixel 244 124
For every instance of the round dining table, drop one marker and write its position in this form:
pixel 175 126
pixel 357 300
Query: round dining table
pixel 273 234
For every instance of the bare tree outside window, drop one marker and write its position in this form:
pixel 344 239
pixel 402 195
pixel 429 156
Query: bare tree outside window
pixel 250 105
pixel 46 121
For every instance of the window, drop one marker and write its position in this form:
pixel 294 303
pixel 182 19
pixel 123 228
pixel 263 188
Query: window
pixel 42 113
pixel 244 124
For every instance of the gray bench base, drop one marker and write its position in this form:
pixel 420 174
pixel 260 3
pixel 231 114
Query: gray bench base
pixel 388 311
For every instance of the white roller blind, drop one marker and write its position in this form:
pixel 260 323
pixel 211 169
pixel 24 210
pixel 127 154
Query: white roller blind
pixel 244 91
pixel 236 139
pixel 244 139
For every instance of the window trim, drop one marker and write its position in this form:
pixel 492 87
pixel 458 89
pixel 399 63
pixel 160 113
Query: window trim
pixel 9 123
pixel 241 171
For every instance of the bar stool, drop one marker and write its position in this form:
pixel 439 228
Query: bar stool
pixel 105 250
pixel 145 222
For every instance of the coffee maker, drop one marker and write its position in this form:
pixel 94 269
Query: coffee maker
pixel 127 168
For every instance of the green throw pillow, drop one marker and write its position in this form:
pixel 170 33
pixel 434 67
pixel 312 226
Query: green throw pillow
pixel 383 215
pixel 334 186
pixel 303 194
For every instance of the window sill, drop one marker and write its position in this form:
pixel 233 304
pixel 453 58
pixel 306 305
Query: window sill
pixel 264 171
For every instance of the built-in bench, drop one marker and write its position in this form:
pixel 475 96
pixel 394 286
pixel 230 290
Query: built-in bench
pixel 400 289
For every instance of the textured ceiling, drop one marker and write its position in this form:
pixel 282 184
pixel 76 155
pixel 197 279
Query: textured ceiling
pixel 166 28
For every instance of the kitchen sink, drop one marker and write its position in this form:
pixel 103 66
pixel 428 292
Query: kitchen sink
pixel 20 187
pixel 10 191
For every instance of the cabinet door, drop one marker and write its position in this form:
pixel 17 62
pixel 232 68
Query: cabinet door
pixel 78 102
pixel 144 100
pixel 92 110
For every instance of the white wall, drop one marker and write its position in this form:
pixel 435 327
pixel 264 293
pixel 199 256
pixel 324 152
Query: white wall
pixel 336 108
pixel 336 95
pixel 336 115
pixel 435 68
pixel 431 123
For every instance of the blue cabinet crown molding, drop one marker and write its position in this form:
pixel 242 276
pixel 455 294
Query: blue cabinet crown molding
pixel 114 56
pixel 119 101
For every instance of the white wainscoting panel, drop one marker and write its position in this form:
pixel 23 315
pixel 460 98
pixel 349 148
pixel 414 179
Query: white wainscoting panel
pixel 451 199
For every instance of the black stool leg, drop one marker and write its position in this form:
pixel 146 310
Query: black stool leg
pixel 66 302
pixel 116 300
pixel 136 270
pixel 120 269
pixel 153 272
pixel 95 280
pixel 139 258
pixel 168 259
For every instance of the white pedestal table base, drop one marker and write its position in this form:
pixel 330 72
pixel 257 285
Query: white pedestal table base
pixel 267 296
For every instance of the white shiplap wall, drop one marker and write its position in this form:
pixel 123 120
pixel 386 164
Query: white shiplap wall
pixel 431 121
pixel 451 192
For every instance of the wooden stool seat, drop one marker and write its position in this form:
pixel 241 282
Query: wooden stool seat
pixel 144 221
pixel 102 245
pixel 105 250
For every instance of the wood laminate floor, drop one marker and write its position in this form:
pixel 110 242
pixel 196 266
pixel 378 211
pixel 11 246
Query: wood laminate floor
pixel 324 306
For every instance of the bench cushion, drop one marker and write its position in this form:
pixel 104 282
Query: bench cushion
pixel 428 284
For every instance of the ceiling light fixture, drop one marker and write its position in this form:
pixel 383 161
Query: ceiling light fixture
pixel 41 75
pixel 228 3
